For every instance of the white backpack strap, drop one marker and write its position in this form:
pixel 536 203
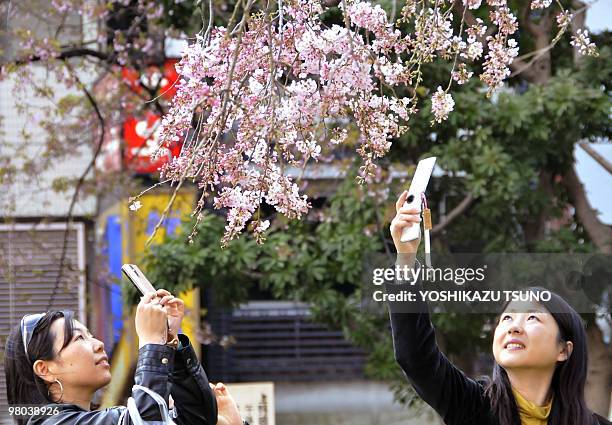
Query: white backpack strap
pixel 134 413
pixel 122 417
pixel 163 407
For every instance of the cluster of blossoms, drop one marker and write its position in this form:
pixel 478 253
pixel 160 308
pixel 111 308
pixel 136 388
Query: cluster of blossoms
pixel 564 18
pixel 275 93
pixel 461 74
pixel 44 49
pixel 502 50
pixel 583 43
pixel 442 104
pixel 281 93
pixel 540 4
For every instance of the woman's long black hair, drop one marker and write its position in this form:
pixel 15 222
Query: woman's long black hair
pixel 22 384
pixel 569 406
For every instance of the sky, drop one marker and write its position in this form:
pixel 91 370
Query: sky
pixel 599 16
pixel 597 181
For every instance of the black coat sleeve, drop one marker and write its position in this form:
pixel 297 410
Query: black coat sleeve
pixel 458 399
pixel 194 400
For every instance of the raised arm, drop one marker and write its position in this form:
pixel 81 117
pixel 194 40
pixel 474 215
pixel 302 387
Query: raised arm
pixel 194 400
pixel 457 398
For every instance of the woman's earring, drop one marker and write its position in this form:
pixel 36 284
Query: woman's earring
pixel 61 389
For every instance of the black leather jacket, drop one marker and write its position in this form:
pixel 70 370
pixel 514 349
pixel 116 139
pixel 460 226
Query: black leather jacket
pixel 167 372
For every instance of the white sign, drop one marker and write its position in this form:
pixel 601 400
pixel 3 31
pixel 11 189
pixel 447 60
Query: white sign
pixel 255 402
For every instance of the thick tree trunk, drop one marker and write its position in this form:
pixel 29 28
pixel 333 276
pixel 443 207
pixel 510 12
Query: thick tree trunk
pixel 535 227
pixel 599 378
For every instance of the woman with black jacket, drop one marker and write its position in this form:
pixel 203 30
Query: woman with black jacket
pixel 54 366
pixel 540 360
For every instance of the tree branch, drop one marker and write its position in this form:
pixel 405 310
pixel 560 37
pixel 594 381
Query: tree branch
pixel 66 54
pixel 520 66
pixel 527 23
pixel 461 9
pixel 455 212
pixel 599 233
pixel 80 182
pixel 596 156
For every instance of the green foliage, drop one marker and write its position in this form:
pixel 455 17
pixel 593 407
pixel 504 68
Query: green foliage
pixel 178 266
pixel 298 260
pixel 566 240
pixel 320 263
pixel 183 15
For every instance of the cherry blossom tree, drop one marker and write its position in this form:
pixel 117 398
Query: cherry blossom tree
pixel 273 90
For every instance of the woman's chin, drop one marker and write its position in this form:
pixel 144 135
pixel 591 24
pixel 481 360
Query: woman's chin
pixel 106 379
pixel 511 360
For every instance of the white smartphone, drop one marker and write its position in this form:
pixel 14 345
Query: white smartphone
pixel 417 187
pixel 137 277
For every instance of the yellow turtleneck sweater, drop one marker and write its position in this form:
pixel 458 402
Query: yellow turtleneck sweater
pixel 530 413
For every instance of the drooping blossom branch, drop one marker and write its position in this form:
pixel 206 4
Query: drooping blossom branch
pixel 267 95
pixel 277 87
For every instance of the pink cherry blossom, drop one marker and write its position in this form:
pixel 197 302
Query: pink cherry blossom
pixel 442 104
pixel 583 43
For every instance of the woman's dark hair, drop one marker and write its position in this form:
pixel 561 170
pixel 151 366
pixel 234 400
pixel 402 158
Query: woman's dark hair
pixel 22 384
pixel 569 379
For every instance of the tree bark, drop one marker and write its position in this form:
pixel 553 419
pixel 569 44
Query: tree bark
pixel 535 226
pixel 578 22
pixel 599 377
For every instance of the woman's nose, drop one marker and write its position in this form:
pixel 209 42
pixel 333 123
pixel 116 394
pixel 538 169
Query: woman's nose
pixel 515 329
pixel 98 345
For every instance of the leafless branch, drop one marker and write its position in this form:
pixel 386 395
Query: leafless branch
pixel 80 182
pixel 66 54
pixel 455 212
pixel 596 156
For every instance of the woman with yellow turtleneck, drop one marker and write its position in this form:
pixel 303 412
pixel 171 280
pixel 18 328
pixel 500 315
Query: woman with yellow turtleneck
pixel 540 356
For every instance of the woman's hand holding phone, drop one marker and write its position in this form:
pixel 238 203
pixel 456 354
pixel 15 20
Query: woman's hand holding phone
pixel 404 217
pixel 175 309
pixel 151 321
